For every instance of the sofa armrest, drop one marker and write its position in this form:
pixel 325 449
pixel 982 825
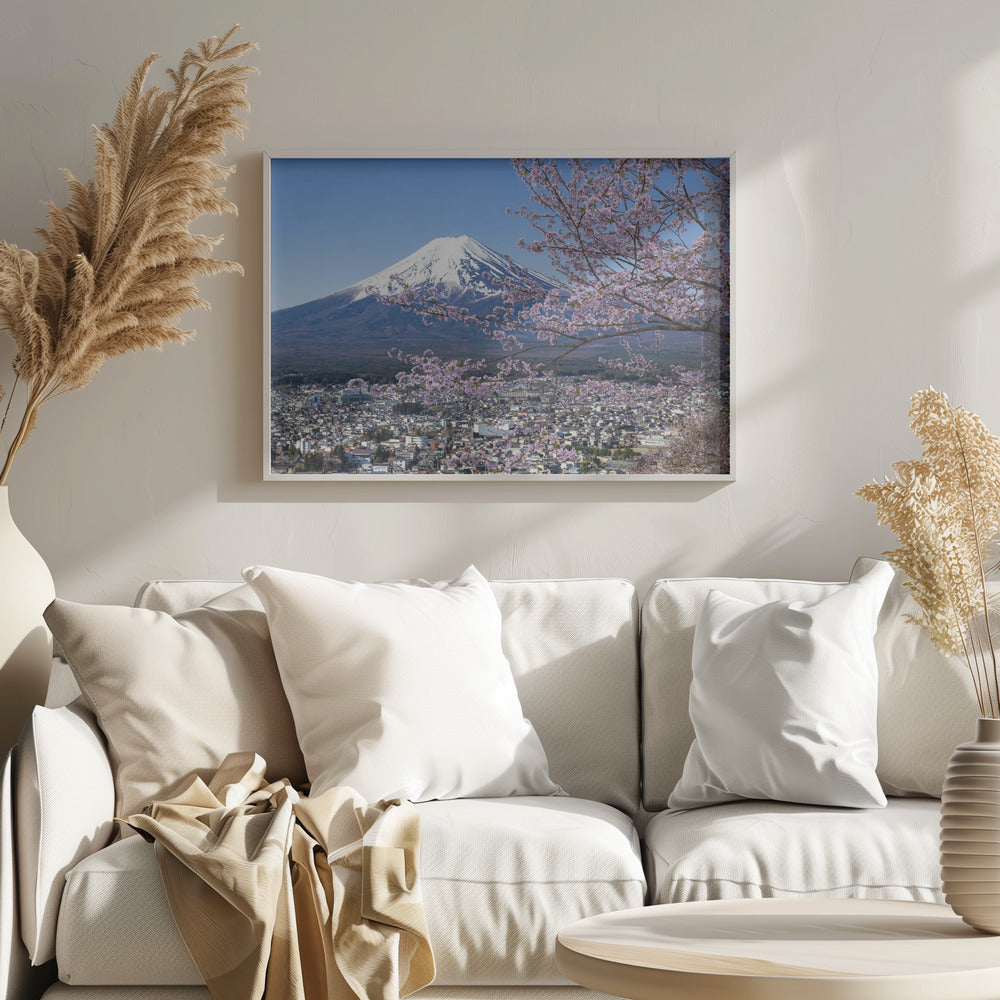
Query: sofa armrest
pixel 18 980
pixel 64 796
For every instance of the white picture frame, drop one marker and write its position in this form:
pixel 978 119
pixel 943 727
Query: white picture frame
pixel 598 404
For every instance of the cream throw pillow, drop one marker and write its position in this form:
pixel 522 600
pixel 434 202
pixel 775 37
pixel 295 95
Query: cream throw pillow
pixel 178 693
pixel 783 700
pixel 401 690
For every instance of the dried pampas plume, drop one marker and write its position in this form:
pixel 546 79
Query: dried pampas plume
pixel 945 510
pixel 118 263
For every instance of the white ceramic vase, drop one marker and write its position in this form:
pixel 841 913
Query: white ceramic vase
pixel 25 643
pixel 970 829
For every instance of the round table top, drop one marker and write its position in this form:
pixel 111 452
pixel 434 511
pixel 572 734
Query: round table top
pixel 781 948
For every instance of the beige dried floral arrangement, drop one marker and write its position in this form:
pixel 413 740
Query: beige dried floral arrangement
pixel 118 263
pixel 945 510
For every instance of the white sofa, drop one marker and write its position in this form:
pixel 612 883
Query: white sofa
pixel 605 684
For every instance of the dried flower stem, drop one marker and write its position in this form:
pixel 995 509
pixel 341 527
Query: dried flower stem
pixel 118 263
pixel 976 680
pixel 974 518
pixel 945 510
pixel 10 399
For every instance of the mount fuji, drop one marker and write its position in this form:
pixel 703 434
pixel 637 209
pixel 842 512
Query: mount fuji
pixel 457 269
pixel 350 332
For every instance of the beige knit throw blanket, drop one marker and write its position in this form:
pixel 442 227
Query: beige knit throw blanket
pixel 282 897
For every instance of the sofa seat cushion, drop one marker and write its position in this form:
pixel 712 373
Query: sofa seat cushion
pixel 500 878
pixel 759 849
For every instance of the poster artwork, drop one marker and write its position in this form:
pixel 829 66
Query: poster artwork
pixel 498 318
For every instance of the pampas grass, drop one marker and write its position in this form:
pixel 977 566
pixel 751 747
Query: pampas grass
pixel 117 265
pixel 945 510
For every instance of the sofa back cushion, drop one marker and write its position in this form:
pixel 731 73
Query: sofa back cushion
pixel 669 615
pixel 926 704
pixel 573 650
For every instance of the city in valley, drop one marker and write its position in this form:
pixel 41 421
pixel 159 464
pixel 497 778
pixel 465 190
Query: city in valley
pixel 573 425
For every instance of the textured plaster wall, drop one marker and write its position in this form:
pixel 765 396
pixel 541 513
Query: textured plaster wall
pixel 866 264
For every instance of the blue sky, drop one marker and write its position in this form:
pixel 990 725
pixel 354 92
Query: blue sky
pixel 335 221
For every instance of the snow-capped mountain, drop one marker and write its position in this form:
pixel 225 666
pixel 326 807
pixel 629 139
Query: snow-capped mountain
pixel 451 267
pixel 352 331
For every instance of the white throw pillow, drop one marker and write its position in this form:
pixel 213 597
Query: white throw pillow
pixel 178 693
pixel 401 690
pixel 783 700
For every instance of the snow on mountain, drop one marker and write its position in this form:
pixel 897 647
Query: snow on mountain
pixel 353 331
pixel 451 267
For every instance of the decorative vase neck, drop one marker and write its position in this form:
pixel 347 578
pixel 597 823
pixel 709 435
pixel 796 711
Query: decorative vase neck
pixel 988 731
pixel 25 643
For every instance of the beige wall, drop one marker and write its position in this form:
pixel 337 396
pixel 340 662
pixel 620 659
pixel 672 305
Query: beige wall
pixel 866 254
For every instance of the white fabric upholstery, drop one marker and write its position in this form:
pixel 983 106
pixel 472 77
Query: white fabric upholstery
pixel 115 925
pixel 573 648
pixel 669 615
pixel 926 704
pixel 500 877
pixel 17 979
pixel 783 700
pixel 65 808
pixel 759 849
pixel 570 643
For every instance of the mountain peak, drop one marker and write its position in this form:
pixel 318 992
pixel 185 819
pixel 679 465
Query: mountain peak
pixel 451 267
pixel 448 244
pixel 358 328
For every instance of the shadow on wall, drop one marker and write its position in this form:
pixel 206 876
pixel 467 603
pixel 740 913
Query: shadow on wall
pixel 772 551
pixel 109 465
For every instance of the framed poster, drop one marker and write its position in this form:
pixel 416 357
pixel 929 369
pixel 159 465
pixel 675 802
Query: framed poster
pixel 486 318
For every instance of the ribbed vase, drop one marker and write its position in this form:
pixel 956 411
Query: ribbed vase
pixel 970 829
pixel 25 643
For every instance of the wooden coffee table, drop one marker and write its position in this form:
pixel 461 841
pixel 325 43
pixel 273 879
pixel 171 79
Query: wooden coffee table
pixel 779 949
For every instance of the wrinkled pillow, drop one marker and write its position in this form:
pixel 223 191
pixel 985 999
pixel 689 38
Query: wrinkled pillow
pixel 401 690
pixel 175 694
pixel 783 700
